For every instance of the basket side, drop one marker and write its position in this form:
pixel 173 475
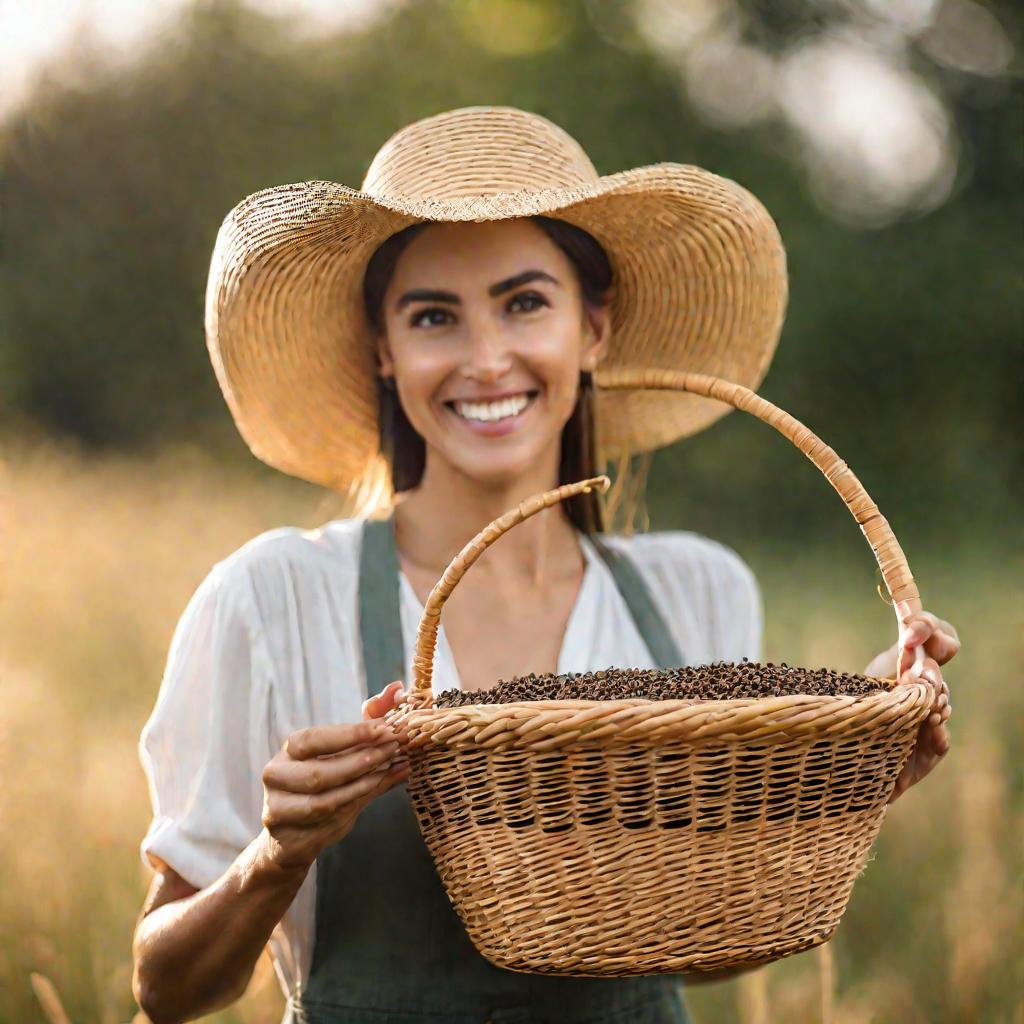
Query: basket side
pixel 656 855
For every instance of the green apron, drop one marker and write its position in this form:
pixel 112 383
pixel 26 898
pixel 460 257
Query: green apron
pixel 389 947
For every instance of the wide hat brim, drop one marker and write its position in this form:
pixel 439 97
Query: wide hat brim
pixel 700 284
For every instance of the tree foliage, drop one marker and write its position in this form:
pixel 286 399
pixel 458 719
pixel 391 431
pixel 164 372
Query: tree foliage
pixel 902 346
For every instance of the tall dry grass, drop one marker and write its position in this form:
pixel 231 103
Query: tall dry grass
pixel 99 558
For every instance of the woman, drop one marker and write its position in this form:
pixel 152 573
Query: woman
pixel 426 346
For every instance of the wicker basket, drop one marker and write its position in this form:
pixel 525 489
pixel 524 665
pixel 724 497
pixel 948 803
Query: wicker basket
pixel 638 837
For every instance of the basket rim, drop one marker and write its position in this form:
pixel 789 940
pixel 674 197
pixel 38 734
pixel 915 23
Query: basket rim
pixel 547 724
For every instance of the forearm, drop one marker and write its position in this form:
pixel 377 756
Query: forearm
pixel 196 955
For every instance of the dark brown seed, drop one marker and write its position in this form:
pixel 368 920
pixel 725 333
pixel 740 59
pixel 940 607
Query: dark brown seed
pixel 722 680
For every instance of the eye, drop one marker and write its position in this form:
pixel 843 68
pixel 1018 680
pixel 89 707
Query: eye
pixel 416 320
pixel 530 301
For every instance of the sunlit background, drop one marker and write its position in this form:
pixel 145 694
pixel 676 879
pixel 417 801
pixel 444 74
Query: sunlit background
pixel 866 87
pixel 887 139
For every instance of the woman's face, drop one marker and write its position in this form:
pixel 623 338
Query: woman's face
pixel 486 334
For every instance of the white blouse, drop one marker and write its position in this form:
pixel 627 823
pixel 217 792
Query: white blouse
pixel 269 643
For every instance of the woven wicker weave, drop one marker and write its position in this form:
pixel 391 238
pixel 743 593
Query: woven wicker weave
pixel 635 837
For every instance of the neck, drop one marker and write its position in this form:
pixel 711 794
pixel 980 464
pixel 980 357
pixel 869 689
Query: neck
pixel 436 520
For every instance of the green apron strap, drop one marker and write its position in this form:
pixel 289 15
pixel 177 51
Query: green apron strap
pixel 380 620
pixel 637 595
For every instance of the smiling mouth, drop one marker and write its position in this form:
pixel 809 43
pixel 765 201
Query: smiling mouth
pixel 492 412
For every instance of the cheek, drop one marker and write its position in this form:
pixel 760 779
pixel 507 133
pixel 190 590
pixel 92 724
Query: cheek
pixel 557 361
pixel 419 371
pixel 418 378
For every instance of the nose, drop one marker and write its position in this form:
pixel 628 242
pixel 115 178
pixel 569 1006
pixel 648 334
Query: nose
pixel 487 358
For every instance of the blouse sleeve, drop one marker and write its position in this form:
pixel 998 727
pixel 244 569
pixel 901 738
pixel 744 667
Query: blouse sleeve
pixel 207 740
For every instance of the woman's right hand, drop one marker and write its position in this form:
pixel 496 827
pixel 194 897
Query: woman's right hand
pixel 316 785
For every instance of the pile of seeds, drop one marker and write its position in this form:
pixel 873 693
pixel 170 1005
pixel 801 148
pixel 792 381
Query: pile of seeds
pixel 723 680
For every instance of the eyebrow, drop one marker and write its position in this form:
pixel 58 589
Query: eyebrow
pixel 431 295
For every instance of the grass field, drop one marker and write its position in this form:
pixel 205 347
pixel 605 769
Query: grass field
pixel 99 560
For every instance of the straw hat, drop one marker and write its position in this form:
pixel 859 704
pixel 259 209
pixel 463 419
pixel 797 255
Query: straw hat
pixel 699 269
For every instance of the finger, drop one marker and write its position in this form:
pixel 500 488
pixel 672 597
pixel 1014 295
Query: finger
pixel 933 742
pixel 916 628
pixel 319 740
pixel 285 808
pixel 930 670
pixel 380 704
pixel 394 776
pixel 914 631
pixel 358 792
pixel 396 695
pixel 926 669
pixel 943 644
pixel 320 774
pixel 939 637
pixel 940 740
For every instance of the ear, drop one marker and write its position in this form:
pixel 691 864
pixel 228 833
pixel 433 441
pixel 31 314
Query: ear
pixel 597 336
pixel 385 360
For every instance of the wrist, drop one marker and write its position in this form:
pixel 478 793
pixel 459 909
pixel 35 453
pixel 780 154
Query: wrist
pixel 273 867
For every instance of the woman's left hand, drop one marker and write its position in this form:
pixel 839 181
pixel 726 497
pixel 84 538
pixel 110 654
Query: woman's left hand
pixel 941 643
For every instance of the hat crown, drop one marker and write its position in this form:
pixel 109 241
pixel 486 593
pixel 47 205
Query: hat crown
pixel 477 151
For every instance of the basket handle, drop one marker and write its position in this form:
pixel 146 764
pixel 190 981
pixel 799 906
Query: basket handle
pixel 893 563
pixel 426 637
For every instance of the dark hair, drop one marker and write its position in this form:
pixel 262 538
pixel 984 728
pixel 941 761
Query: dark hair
pixel 403 447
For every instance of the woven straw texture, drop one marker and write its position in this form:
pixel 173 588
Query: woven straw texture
pixel 700 281
pixel 638 837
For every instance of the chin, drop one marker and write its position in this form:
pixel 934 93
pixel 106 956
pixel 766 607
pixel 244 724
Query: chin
pixel 496 467
pixel 497 472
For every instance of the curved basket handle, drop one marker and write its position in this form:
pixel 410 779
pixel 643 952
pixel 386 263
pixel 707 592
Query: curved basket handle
pixel 426 637
pixel 898 579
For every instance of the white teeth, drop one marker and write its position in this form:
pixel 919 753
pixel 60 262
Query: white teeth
pixel 489 412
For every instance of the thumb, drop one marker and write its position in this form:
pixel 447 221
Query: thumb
pixel 379 705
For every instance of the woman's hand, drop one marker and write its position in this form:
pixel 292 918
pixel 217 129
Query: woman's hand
pixel 316 785
pixel 388 698
pixel 941 643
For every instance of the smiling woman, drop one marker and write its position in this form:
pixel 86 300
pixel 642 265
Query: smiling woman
pixel 425 346
pixel 570 298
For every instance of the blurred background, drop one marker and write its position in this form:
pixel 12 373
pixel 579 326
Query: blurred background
pixel 887 139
